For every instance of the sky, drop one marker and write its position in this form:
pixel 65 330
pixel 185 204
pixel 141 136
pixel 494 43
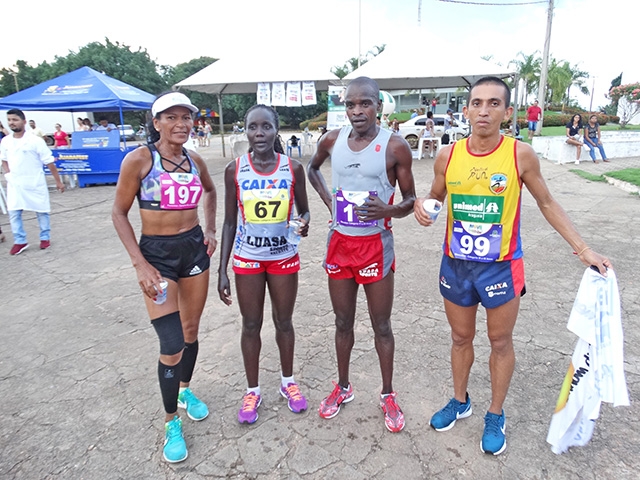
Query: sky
pixel 596 35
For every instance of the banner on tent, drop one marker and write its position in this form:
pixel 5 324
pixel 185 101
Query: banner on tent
pixel 292 94
pixel 336 111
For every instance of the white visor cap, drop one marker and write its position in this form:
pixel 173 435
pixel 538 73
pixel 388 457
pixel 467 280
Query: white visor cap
pixel 174 99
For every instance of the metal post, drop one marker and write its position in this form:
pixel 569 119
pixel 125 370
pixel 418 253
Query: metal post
pixel 514 121
pixel 359 31
pixel 593 85
pixel 545 66
pixel 221 123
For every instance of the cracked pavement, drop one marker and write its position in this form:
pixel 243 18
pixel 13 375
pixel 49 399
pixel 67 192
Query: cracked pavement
pixel 78 364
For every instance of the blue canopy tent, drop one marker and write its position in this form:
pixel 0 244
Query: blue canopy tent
pixel 84 89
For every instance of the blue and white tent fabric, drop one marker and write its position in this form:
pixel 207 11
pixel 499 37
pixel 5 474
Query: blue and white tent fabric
pixel 596 372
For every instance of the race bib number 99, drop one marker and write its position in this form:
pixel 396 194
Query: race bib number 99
pixel 179 191
pixel 266 206
pixel 346 201
pixel 478 242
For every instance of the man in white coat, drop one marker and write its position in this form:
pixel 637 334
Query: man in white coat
pixel 23 157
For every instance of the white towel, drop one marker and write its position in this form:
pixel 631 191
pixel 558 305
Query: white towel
pixel 596 373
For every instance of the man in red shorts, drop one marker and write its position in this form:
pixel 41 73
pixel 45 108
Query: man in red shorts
pixel 366 164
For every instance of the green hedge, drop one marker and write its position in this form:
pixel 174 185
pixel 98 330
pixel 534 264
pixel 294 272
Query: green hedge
pixel 315 123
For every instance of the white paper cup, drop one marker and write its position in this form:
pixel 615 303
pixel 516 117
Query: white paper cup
pixel 432 207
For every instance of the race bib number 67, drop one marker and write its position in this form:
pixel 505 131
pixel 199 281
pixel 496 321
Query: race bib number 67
pixel 266 206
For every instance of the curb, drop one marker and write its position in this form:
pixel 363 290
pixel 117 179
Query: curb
pixel 626 186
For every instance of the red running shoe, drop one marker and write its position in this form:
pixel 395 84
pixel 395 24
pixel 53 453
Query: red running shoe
pixel 393 416
pixel 45 244
pixel 18 248
pixel 330 406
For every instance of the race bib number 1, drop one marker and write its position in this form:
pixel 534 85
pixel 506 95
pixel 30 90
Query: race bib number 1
pixel 179 191
pixel 346 201
pixel 478 242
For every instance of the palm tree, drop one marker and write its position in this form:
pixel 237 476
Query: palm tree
pixel 578 78
pixel 558 80
pixel 528 68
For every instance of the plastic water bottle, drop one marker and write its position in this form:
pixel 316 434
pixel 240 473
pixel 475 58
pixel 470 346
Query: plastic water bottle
pixel 160 298
pixel 293 237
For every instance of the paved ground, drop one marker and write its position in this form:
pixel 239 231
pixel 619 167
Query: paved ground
pixel 78 364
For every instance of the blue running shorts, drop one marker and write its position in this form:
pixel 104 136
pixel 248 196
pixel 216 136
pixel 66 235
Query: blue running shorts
pixel 467 283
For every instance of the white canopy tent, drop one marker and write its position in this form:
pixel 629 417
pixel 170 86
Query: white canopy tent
pixel 400 68
pixel 406 69
pixel 241 74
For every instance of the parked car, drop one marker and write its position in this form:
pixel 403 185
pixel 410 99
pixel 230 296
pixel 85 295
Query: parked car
pixel 410 130
pixel 127 132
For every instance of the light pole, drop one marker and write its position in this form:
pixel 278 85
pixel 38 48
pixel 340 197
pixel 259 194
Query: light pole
pixel 544 68
pixel 15 79
pixel 359 31
pixel 593 86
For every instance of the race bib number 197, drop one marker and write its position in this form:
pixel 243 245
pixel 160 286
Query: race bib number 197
pixel 179 191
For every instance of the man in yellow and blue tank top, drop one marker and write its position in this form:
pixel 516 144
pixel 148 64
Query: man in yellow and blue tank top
pixel 482 178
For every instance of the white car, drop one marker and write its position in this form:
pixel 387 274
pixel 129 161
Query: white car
pixel 127 132
pixel 410 130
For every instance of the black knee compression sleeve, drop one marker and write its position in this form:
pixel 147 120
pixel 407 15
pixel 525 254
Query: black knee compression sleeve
pixel 189 356
pixel 169 330
pixel 169 377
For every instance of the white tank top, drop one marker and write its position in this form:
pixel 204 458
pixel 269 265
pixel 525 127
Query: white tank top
pixel 265 206
pixel 355 176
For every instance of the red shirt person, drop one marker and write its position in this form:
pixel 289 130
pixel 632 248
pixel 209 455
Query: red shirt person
pixel 61 138
pixel 534 112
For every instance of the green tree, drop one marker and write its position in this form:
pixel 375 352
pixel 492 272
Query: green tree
pixel 558 80
pixel 352 64
pixel 578 78
pixel 23 76
pixel 627 97
pixel 116 60
pixel 528 68
pixel 173 75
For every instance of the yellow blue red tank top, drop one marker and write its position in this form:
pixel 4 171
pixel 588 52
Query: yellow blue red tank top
pixel 483 199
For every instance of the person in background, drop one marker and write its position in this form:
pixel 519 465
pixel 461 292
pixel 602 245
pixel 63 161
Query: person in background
pixel 434 104
pixel 384 121
pixel 61 138
pixel 592 139
pixel 395 126
pixel 87 125
pixel 79 124
pixel 534 113
pixel 104 124
pixel 367 164
pixel 414 113
pixel 574 134
pixel 259 227
pixel 428 132
pixel 23 156
pixel 172 257
pixel 35 129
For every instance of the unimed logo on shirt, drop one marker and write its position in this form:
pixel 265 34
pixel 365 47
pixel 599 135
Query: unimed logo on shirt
pixel 477 208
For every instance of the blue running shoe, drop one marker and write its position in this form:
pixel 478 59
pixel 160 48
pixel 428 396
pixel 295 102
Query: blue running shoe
pixel 175 449
pixel 445 419
pixel 196 408
pixel 494 441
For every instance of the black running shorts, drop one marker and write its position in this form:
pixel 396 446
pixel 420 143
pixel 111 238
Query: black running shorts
pixel 176 256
